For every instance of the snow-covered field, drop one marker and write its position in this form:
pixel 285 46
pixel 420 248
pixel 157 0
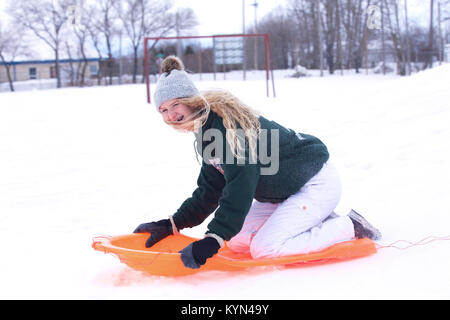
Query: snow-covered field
pixel 79 163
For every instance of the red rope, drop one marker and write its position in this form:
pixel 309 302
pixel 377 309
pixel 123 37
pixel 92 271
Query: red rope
pixel 409 244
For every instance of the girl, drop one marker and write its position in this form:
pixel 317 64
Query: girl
pixel 267 207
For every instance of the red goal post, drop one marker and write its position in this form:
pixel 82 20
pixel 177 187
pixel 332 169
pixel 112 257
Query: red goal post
pixel 267 55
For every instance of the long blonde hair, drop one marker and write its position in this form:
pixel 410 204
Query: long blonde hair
pixel 233 112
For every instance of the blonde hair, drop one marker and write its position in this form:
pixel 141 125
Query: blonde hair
pixel 233 112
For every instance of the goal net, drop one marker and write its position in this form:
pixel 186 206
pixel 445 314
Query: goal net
pixel 208 58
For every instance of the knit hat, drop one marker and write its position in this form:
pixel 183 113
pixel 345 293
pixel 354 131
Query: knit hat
pixel 173 83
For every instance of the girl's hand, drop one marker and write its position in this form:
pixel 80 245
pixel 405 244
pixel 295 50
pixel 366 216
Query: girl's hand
pixel 158 231
pixel 196 254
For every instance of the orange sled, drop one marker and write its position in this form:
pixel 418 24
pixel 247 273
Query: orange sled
pixel 163 258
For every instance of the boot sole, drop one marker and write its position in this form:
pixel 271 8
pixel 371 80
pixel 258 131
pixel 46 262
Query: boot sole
pixel 366 225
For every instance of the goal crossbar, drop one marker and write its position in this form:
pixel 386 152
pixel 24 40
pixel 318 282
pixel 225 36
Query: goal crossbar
pixel 265 36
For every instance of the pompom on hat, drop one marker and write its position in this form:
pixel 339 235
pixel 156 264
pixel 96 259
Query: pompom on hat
pixel 173 83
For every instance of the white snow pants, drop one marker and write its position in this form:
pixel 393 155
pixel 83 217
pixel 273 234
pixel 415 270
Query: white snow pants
pixel 303 223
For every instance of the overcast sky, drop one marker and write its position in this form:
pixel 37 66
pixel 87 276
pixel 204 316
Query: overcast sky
pixel 225 16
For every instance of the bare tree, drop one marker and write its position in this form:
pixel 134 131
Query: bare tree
pixel 349 32
pixel 80 33
pixel 352 25
pixel 45 19
pixel 383 42
pixel 299 14
pixel 358 36
pixel 94 36
pixel 445 6
pixel 331 25
pixel 11 46
pixel 408 41
pixel 105 23
pixel 132 15
pixel 364 37
pixel 330 29
pixel 283 37
pixel 316 9
pixel 186 21
pixel 440 40
pixel 431 37
pixel 339 57
pixel 142 18
pixel 72 73
pixel 394 27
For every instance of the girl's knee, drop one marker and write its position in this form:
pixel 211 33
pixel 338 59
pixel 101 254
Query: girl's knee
pixel 261 247
pixel 239 243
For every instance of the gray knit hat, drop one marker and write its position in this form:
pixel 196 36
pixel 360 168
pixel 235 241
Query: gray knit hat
pixel 173 83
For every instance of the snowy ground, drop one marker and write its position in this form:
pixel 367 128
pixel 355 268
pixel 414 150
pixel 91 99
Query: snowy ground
pixel 78 163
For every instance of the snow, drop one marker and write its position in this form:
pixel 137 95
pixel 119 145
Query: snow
pixel 79 163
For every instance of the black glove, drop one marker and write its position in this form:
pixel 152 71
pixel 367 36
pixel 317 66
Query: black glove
pixel 159 230
pixel 195 254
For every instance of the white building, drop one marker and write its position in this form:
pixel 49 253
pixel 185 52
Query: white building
pixel 44 69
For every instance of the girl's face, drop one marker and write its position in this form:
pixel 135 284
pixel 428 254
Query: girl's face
pixel 173 111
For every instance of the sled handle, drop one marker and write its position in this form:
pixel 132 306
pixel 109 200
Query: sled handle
pixel 98 243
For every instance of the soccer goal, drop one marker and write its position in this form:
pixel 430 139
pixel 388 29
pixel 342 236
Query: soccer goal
pixel 216 57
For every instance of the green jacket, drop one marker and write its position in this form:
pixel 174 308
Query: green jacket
pixel 232 187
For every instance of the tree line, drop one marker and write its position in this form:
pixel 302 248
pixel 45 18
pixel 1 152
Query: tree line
pixel 74 28
pixel 340 34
